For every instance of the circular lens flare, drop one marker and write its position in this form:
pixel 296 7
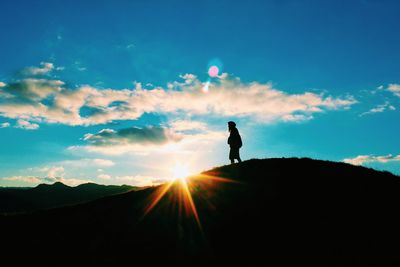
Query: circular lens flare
pixel 213 71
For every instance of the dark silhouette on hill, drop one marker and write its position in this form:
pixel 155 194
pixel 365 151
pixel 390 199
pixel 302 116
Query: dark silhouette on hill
pixel 234 142
pixel 45 196
pixel 275 212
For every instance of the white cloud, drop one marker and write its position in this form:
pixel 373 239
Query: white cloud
pixel 39 180
pixel 4 125
pixel 395 89
pixel 134 135
pixel 26 179
pixel 86 162
pixel 104 176
pixel 56 169
pixel 23 124
pixel 2 84
pixel 103 162
pixel 57 172
pixel 379 109
pixel 188 77
pixel 184 125
pixel 50 101
pixel 45 68
pixel 139 180
pixel 149 139
pixel 362 159
pixel 28 90
pixel 53 171
pixel 297 117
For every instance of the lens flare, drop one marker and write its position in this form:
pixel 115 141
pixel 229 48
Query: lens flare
pixel 213 71
pixel 180 190
pixel 205 87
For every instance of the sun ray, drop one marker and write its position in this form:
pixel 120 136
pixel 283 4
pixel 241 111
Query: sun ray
pixel 158 195
pixel 182 187
pixel 188 200
pixel 216 178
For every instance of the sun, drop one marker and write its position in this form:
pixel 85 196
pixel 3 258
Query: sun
pixel 181 186
pixel 180 171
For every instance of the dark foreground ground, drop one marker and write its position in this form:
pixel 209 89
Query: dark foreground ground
pixel 276 212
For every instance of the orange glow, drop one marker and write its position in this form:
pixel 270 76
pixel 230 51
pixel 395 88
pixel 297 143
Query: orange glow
pixel 181 191
pixel 158 195
pixel 188 200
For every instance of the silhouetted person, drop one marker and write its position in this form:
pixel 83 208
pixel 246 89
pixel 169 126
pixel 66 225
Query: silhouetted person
pixel 235 142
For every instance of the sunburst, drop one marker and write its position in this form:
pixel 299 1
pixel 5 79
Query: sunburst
pixel 181 186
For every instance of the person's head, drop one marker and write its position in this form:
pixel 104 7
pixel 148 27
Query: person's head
pixel 231 125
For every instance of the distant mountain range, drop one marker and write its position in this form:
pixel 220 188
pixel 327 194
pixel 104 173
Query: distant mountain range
pixel 272 212
pixel 45 196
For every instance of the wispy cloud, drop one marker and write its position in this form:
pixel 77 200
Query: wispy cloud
pixel 53 171
pixel 134 139
pixel 184 125
pixel 45 68
pixel 134 135
pixel 4 125
pixel 135 180
pixel 85 163
pixel 139 180
pixel 23 124
pixel 362 159
pixel 57 171
pixel 26 179
pixel 38 180
pixel 179 136
pixel 104 176
pixel 395 89
pixel 379 109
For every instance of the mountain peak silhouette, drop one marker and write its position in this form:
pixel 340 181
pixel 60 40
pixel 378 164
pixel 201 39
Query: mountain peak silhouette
pixel 269 212
pixel 45 196
pixel 54 185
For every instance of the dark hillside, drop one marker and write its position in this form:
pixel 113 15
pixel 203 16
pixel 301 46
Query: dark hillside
pixel 273 212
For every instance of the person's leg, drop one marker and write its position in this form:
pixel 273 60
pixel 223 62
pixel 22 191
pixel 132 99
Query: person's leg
pixel 231 156
pixel 234 155
pixel 238 156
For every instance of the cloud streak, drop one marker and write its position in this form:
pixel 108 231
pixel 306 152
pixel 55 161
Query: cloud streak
pixel 179 136
pixel 4 125
pixel 134 135
pixel 45 68
pixel 134 139
pixel 395 89
pixel 23 124
pixel 39 180
pixel 363 159
pixel 379 109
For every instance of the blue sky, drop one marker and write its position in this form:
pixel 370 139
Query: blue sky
pixel 113 91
